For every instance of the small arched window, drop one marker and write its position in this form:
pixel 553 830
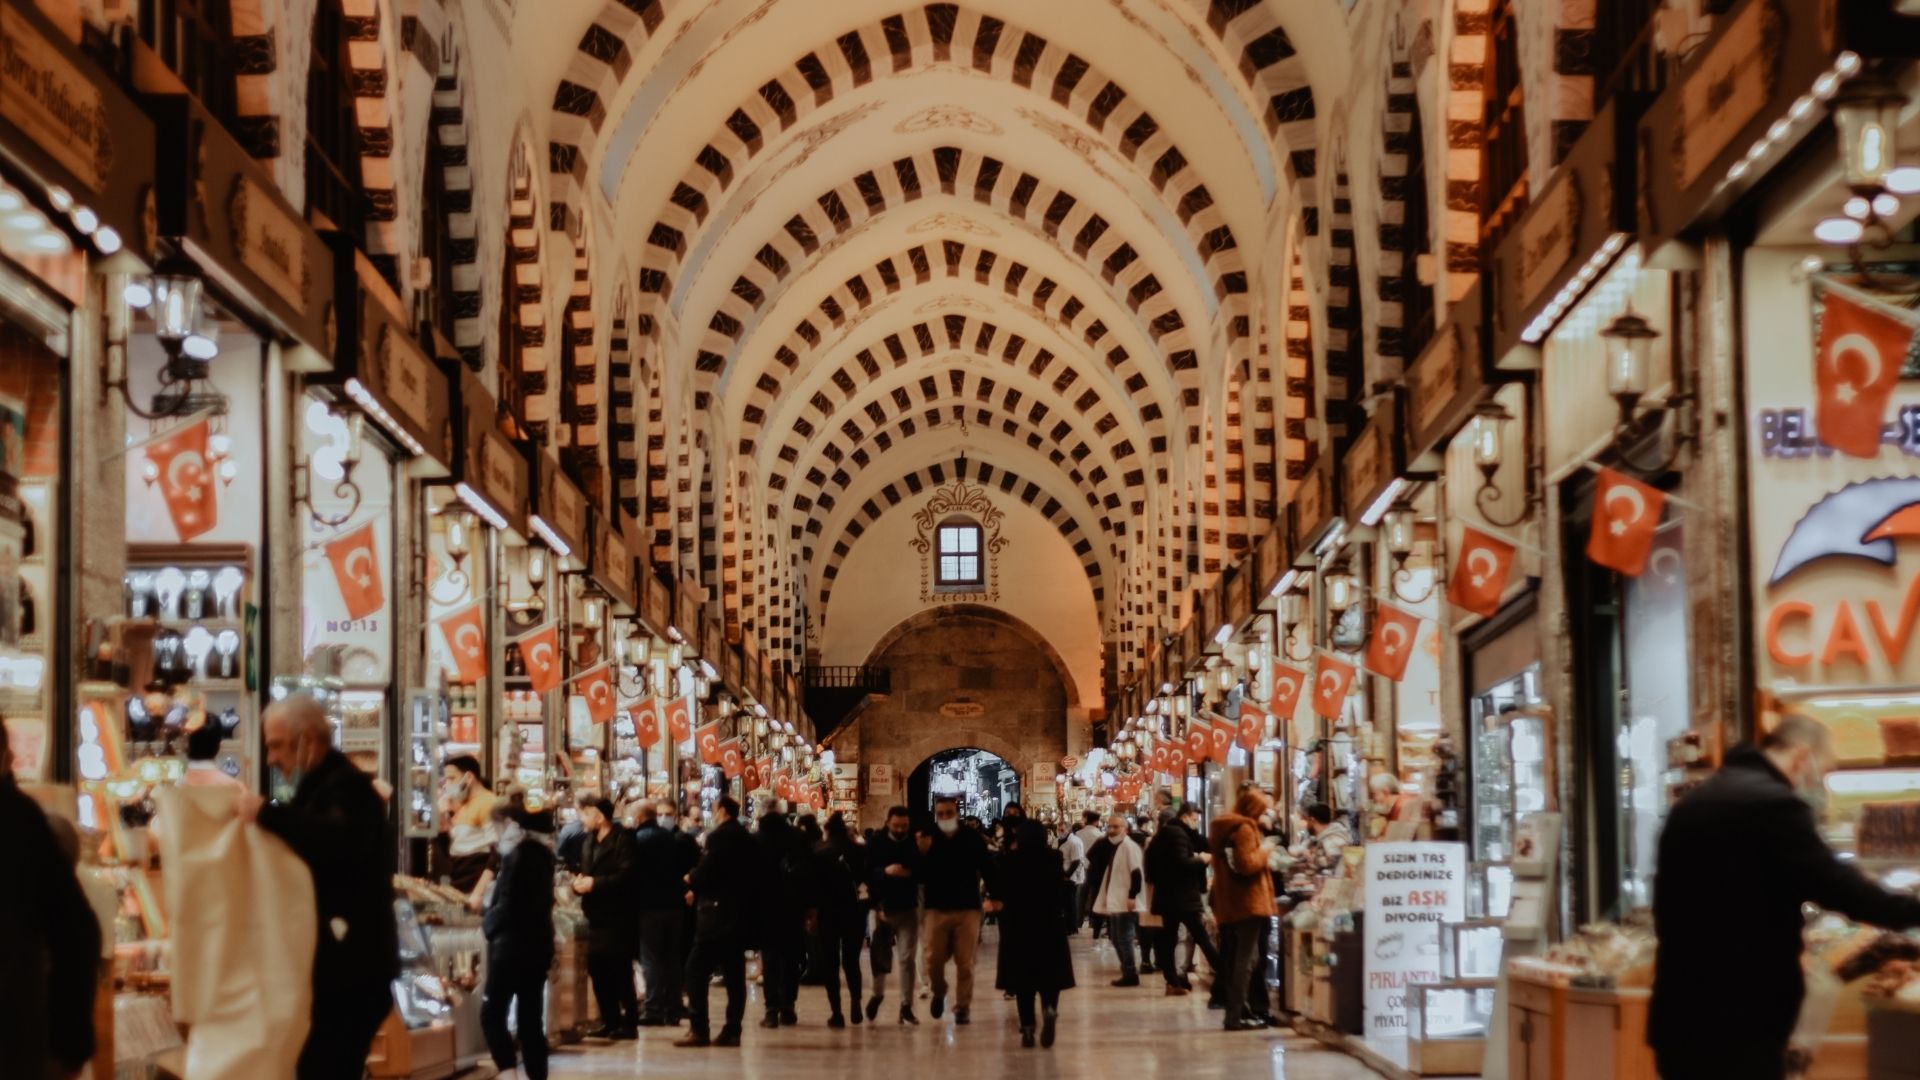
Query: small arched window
pixel 959 561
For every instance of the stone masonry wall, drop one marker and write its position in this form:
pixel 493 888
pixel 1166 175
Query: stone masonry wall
pixel 959 658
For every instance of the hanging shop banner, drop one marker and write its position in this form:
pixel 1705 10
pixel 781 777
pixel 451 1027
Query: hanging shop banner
pixel 212 194
pixel 1372 462
pixel 1835 537
pixel 382 367
pixel 688 610
pixel 1583 213
pixel 488 465
pixel 1412 890
pixel 656 601
pixel 64 121
pixel 732 759
pixel 612 564
pixel 1288 681
pixel 1446 381
pixel 1737 93
pixel 679 720
pixel 1269 561
pixel 560 504
pixel 1314 507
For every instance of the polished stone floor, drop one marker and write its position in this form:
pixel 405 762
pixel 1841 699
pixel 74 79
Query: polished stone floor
pixel 1104 1032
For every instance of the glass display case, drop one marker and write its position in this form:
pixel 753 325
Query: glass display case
pixel 1471 950
pixel 427 728
pixel 1447 1027
pixel 1489 890
pixel 1509 762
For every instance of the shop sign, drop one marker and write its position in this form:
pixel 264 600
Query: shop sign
pixel 612 563
pixel 1547 238
pixel 879 780
pixel 713 646
pixel 1313 504
pixel 270 241
pixel 1835 538
pixel 1370 464
pixel 688 609
pixel 378 351
pixel 656 600
pixel 1269 561
pixel 1411 889
pixel 1446 380
pixel 489 463
pixel 1727 89
pixel 561 504
pixel 52 101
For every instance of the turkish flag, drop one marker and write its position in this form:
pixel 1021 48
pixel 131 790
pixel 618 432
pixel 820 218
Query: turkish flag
pixel 466 643
pixel 1858 361
pixel 709 741
pixel 1480 572
pixel 759 773
pixel 1626 513
pixel 1250 730
pixel 1157 757
pixel 646 723
pixel 356 569
pixel 597 687
pixel 778 783
pixel 1222 732
pixel 732 761
pixel 1199 743
pixel 540 652
pixel 817 799
pixel 1394 632
pixel 1176 761
pixel 679 720
pixel 1287 683
pixel 186 480
pixel 1331 681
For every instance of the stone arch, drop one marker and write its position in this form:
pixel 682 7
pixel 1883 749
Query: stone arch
pixel 525 375
pixel 949 612
pixel 916 39
pixel 582 451
pixel 921 264
pixel 1345 368
pixel 1299 446
pixel 448 134
pixel 625 410
pixel 1398 249
pixel 1272 67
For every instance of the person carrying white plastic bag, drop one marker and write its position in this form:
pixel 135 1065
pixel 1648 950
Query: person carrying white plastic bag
pixel 242 908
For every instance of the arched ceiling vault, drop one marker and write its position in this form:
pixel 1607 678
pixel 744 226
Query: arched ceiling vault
pixel 876 236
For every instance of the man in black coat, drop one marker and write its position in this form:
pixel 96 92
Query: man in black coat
pixel 49 942
pixel 606 884
pixel 519 928
pixel 722 888
pixel 1176 863
pixel 662 859
pixel 787 909
pixel 1739 856
pixel 954 868
pixel 893 860
pixel 337 823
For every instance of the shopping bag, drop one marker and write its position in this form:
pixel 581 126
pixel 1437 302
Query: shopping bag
pixel 244 931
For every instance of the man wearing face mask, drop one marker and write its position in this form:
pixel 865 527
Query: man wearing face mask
pixel 662 857
pixel 893 861
pixel 1118 895
pixel 336 822
pixel 1739 856
pixel 955 864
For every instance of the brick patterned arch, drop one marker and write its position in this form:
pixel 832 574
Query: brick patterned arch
pixel 583 453
pixel 1272 68
pixel 838 214
pixel 526 366
pixel 449 122
pixel 819 491
pixel 1346 329
pixel 1395 272
pixel 932 477
pixel 1300 446
pixel 932 742
pixel 625 408
pixel 918 39
pixel 921 265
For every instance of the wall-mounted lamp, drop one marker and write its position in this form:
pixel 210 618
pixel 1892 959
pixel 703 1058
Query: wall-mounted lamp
pixel 334 460
pixel 172 298
pixel 1400 530
pixel 1487 432
pixel 1629 342
pixel 1293 612
pixel 536 577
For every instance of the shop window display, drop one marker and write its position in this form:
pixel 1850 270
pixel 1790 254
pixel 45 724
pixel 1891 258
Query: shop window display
pixel 30 387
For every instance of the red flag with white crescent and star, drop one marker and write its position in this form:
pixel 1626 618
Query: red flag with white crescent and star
pixel 1480 572
pixel 732 761
pixel 1391 647
pixel 1626 514
pixel 540 652
pixel 679 720
pixel 356 570
pixel 1221 733
pixel 1331 681
pixel 709 743
pixel 1176 761
pixel 597 687
pixel 186 480
pixel 466 643
pixel 1251 727
pixel 1855 367
pixel 1199 743
pixel 1287 684
pixel 646 723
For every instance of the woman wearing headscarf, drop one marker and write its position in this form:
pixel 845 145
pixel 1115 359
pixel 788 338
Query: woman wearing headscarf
pixel 1034 959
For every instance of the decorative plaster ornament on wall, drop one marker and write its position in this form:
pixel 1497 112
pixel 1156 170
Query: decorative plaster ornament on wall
pixel 951 223
pixel 953 302
pixel 959 499
pixel 935 117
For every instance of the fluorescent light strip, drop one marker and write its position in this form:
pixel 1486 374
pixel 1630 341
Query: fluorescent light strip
pixel 1571 292
pixel 372 407
pixel 1384 503
pixel 1285 583
pixel 1224 634
pixel 552 538
pixel 480 506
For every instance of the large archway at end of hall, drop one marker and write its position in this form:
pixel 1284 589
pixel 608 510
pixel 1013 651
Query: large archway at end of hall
pixel 980 781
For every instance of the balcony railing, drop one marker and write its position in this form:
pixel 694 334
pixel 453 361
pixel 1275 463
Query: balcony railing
pixel 872 680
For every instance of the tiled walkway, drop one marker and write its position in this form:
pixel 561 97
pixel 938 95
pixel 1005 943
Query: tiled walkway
pixel 1104 1032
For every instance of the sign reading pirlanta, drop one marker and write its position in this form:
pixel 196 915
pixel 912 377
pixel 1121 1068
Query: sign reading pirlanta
pixel 1411 889
pixel 52 101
